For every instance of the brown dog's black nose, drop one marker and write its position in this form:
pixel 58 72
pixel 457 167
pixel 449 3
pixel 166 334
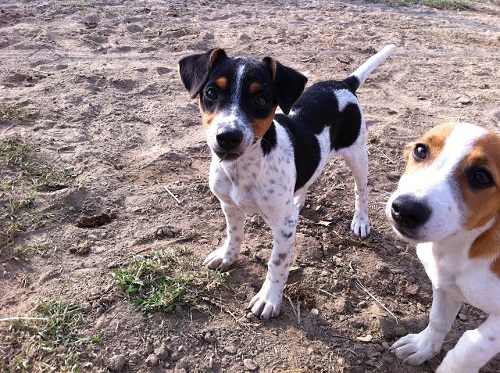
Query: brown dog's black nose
pixel 229 140
pixel 409 212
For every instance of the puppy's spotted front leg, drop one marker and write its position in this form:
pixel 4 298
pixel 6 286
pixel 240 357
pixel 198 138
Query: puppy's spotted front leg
pixel 267 302
pixel 223 257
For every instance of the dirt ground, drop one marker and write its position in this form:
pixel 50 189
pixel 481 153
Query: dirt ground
pixel 100 82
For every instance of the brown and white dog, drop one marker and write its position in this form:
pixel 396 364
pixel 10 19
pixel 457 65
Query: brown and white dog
pixel 448 202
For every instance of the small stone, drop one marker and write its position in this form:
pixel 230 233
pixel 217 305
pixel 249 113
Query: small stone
pixel 231 349
pixel 86 307
pixel 367 338
pixel 237 368
pixel 310 350
pixel 244 37
pixel 90 21
pixel 133 28
pixel 293 269
pixel 339 305
pixel 462 317
pixel 182 364
pixel 152 360
pixel 116 363
pixel 386 345
pixel 162 352
pixel 134 357
pixel 341 361
pixel 209 337
pixel 464 100
pixel 315 312
pixel 412 289
pixel 250 364
pixel 81 249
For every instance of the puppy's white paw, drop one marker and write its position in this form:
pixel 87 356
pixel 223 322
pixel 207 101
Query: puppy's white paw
pixel 414 349
pixel 220 259
pixel 267 302
pixel 360 226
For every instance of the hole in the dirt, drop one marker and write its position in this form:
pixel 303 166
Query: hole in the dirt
pixel 94 220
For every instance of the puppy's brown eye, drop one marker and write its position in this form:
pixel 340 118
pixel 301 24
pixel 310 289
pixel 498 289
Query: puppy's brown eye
pixel 481 178
pixel 211 94
pixel 261 101
pixel 420 152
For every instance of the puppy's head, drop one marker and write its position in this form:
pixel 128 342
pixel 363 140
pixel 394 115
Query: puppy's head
pixel 451 184
pixel 238 97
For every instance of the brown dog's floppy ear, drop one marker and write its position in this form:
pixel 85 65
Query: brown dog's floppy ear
pixel 194 69
pixel 288 84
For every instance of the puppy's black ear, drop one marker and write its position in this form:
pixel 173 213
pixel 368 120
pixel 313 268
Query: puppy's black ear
pixel 194 70
pixel 288 84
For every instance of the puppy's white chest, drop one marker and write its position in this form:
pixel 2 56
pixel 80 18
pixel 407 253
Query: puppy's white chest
pixel 235 186
pixel 443 270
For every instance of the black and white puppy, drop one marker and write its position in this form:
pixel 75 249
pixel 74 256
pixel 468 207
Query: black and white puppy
pixel 264 162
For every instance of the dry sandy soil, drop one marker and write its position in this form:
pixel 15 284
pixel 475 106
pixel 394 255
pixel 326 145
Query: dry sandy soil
pixel 99 81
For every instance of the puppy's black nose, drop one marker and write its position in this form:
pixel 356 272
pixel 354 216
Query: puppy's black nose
pixel 409 212
pixel 229 139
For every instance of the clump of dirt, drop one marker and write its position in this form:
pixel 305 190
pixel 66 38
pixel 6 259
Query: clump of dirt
pixel 99 81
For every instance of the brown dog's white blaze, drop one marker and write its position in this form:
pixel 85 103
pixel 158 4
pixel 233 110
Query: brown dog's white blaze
pixel 483 204
pixel 435 141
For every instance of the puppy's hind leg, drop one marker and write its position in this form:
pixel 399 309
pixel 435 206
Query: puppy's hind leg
pixel 223 257
pixel 356 159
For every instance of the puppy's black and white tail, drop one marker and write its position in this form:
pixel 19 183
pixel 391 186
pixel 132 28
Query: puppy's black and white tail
pixel 358 77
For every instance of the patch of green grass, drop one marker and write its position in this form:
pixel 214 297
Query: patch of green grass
pixel 167 279
pixel 52 343
pixel 440 4
pixel 22 252
pixel 23 175
pixel 13 111
pixel 21 156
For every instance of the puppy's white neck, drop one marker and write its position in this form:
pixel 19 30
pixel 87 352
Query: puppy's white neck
pixel 458 244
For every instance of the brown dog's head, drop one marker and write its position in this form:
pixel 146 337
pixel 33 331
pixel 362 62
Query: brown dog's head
pixel 451 185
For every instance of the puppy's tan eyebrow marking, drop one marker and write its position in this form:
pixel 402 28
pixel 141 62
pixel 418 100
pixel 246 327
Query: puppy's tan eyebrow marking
pixel 221 82
pixel 255 88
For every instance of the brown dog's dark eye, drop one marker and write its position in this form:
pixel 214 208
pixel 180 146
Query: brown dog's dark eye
pixel 420 152
pixel 480 178
pixel 211 94
pixel 261 101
